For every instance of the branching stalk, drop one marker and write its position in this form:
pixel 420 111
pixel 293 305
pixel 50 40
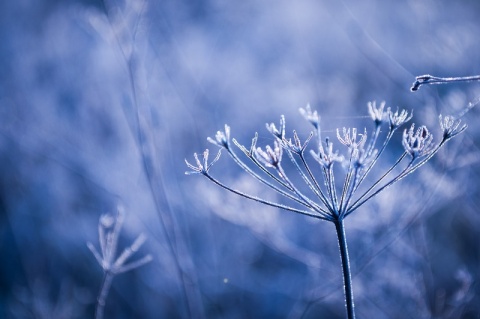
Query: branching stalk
pixel 268 203
pixel 319 191
pixel 418 144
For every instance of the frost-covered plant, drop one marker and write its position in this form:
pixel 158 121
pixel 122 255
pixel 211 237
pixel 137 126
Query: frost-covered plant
pixel 330 201
pixel 109 228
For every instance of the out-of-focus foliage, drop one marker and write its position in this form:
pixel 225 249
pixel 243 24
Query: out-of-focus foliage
pixel 100 102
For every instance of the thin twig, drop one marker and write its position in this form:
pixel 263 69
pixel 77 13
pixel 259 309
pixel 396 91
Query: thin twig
pixel 430 79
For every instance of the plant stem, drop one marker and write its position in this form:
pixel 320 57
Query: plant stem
pixel 347 278
pixel 429 79
pixel 102 296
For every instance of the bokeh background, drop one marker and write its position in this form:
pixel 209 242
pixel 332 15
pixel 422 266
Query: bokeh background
pixel 101 102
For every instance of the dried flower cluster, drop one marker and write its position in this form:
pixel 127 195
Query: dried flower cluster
pixel 327 200
pixel 362 154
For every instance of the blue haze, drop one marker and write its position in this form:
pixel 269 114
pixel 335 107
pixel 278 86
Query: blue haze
pixel 100 103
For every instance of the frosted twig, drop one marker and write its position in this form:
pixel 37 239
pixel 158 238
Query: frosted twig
pixel 430 79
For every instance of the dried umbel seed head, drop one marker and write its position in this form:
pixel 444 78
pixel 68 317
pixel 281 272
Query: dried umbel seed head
pixel 271 157
pixel 376 114
pixel 450 126
pixel 363 152
pixel 109 243
pixel 349 138
pixel 280 134
pixel 397 119
pixel 419 143
pixel 296 146
pixel 310 116
pixel 202 168
pixel 326 156
pixel 330 202
pixel 222 139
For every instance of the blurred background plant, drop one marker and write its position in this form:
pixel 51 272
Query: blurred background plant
pixel 100 102
pixel 109 228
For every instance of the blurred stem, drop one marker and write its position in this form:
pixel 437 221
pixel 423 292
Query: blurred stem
pixel 102 296
pixel 175 241
pixel 347 278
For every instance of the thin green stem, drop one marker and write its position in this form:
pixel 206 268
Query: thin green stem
pixel 347 277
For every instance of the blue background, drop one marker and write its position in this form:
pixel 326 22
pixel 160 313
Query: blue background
pixel 101 102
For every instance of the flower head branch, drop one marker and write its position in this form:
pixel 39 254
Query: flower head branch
pixel 397 119
pixel 419 143
pixel 350 140
pixel 310 116
pixel 326 156
pixel 271 157
pixel 296 146
pixel 450 126
pixel 376 113
pixel 202 168
pixel 249 153
pixel 222 139
pixel 278 133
